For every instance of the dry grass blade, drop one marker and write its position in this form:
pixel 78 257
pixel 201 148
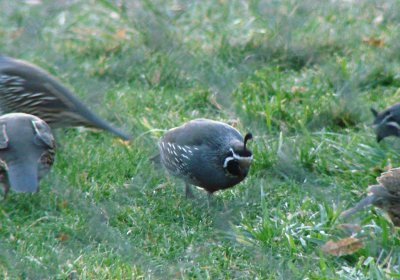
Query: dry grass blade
pixel 342 247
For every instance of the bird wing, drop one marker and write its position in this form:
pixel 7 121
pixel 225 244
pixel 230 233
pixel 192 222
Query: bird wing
pixel 24 77
pixel 38 91
pixel 200 132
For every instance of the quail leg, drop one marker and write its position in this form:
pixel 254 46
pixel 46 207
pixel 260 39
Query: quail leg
pixel 6 189
pixel 209 199
pixel 188 191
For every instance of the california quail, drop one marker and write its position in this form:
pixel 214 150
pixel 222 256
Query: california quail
pixel 386 195
pixel 27 88
pixel 206 153
pixel 27 151
pixel 387 122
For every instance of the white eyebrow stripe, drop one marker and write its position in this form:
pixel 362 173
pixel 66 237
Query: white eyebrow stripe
pixel 228 159
pixel 236 156
pixel 395 124
pixel 386 117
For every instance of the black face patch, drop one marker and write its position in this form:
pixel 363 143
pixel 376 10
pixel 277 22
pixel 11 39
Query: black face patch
pixel 233 167
pixel 388 130
pixel 383 117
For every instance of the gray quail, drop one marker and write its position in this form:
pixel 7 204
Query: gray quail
pixel 27 88
pixel 206 153
pixel 387 122
pixel 27 151
pixel 386 195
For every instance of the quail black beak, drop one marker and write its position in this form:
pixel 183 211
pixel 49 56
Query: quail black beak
pixel 244 165
pixel 23 176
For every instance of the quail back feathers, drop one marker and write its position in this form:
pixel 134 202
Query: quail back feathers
pixel 206 153
pixel 386 196
pixel 387 122
pixel 27 88
pixel 27 150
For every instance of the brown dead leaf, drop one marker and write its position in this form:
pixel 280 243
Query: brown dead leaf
pixel 146 123
pixel 85 31
pixel 375 42
pixel 62 236
pixel 63 204
pixel 350 227
pixel 342 247
pixel 298 89
pixel 213 101
pixel 120 34
pixel 233 122
pixel 156 77
pixel 124 142
pixel 84 175
pixel 16 33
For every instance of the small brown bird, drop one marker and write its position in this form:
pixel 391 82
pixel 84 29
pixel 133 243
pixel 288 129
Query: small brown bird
pixel 27 150
pixel 206 153
pixel 29 89
pixel 386 196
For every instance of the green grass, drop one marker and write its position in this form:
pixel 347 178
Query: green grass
pixel 301 75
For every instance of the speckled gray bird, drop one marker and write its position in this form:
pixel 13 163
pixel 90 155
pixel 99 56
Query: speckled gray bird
pixel 206 153
pixel 387 122
pixel 27 150
pixel 29 89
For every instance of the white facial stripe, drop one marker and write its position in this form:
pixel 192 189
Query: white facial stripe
pixel 385 119
pixel 236 156
pixel 228 159
pixel 395 124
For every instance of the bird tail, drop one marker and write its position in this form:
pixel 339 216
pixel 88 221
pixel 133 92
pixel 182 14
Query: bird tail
pixel 360 205
pixel 102 124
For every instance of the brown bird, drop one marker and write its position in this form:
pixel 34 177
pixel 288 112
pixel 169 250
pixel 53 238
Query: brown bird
pixel 29 89
pixel 386 196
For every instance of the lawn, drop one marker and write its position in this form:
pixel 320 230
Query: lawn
pixel 300 75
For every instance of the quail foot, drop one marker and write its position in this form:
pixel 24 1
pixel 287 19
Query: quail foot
pixel 27 151
pixel 27 88
pixel 209 154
